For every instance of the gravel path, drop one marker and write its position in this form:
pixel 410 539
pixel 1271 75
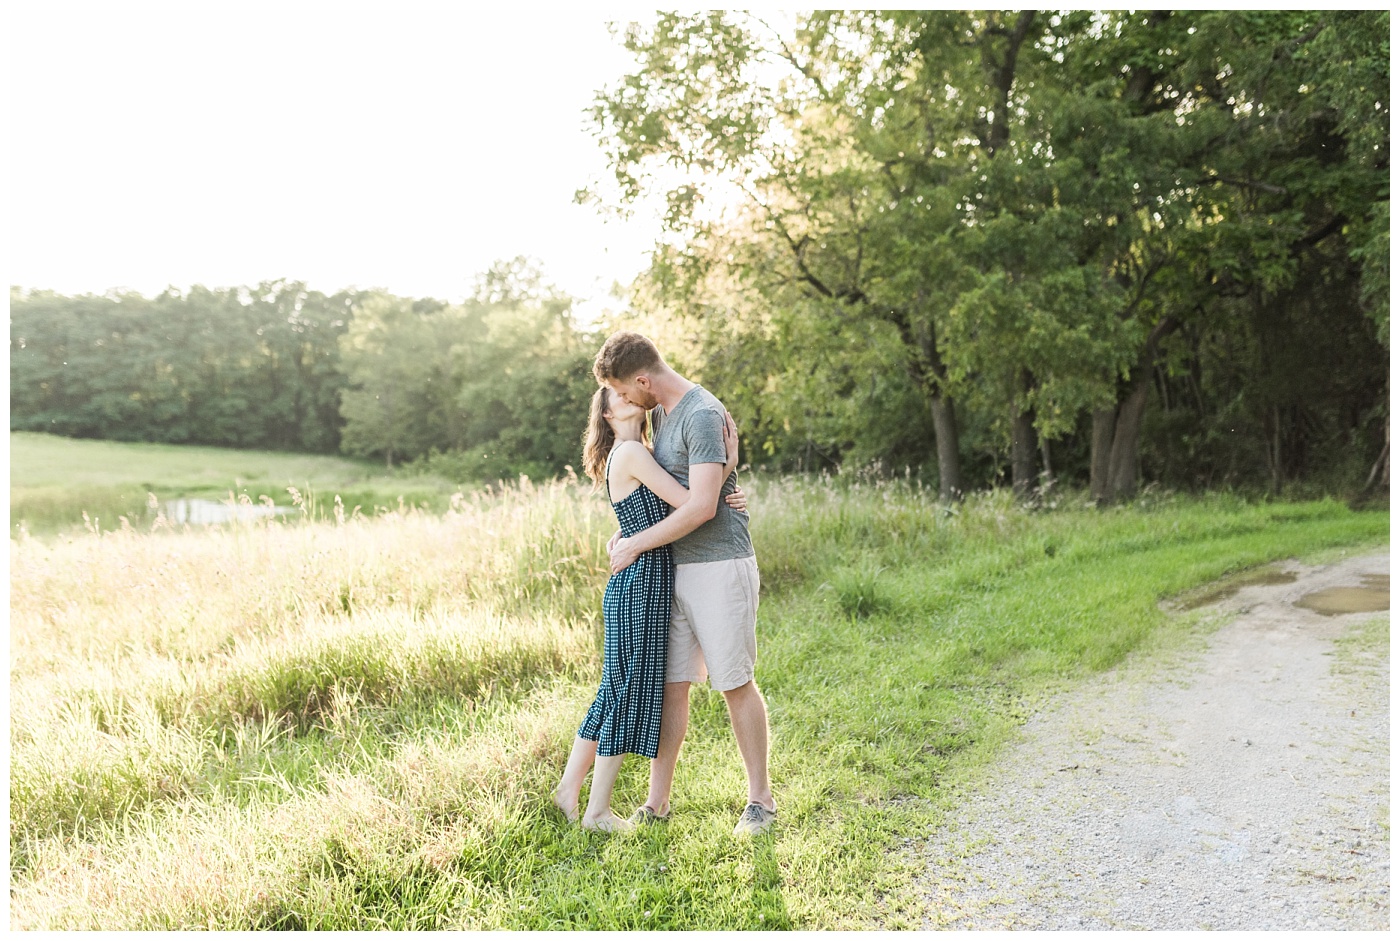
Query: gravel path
pixel 1245 785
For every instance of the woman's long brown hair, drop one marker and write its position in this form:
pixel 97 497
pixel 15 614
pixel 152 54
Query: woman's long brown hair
pixel 598 437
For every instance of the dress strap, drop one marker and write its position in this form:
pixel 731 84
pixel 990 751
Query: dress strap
pixel 607 476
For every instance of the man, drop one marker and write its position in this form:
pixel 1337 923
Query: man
pixel 714 609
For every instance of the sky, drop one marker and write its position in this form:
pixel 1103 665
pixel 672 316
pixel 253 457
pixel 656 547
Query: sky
pixel 346 144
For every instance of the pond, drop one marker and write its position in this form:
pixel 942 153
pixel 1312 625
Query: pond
pixel 205 512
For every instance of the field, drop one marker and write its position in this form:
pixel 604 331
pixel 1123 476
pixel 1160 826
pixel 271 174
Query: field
pixel 351 722
pixel 55 480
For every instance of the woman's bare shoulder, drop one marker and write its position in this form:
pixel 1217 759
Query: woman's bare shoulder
pixel 627 453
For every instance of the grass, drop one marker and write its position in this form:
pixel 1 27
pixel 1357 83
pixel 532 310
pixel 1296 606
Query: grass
pixel 1365 648
pixel 357 722
pixel 54 481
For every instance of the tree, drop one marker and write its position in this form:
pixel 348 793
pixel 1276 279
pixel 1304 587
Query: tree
pixel 1037 204
pixel 491 388
pixel 523 391
pixel 232 367
pixel 391 354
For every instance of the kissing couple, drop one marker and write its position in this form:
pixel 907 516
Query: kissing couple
pixel 681 604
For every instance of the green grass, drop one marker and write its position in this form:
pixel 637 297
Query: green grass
pixel 54 481
pixel 359 724
pixel 1365 647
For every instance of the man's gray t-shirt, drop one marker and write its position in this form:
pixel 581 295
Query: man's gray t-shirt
pixel 693 433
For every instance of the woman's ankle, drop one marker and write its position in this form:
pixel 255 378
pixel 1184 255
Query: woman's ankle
pixel 566 797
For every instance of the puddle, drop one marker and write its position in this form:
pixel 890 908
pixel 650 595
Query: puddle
pixel 1373 594
pixel 207 512
pixel 1271 576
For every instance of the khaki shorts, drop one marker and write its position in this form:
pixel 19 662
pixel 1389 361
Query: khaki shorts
pixel 714 614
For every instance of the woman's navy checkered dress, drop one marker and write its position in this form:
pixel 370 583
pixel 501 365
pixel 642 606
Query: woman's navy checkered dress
pixel 626 715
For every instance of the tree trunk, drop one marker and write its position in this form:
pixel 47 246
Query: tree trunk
pixel 1275 449
pixel 1380 471
pixel 1047 473
pixel 1022 445
pixel 926 367
pixel 945 431
pixel 1001 74
pixel 1100 450
pixel 1123 459
pixel 1113 461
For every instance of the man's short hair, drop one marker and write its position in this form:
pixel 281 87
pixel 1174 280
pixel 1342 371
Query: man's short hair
pixel 624 356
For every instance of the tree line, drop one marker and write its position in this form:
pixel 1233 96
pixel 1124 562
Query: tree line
pixel 490 388
pixel 993 248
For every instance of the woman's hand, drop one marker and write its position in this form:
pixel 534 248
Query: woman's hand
pixel 738 500
pixel 731 445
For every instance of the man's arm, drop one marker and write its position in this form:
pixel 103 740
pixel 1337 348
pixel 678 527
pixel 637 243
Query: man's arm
pixel 706 480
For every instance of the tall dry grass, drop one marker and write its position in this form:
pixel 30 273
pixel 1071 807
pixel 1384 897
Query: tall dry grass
pixel 351 722
pixel 142 664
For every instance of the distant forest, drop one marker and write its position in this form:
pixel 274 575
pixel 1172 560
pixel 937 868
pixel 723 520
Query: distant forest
pixel 488 389
pixel 1106 249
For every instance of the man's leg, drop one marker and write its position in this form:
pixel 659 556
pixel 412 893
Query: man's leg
pixel 675 719
pixel 748 714
pixel 724 616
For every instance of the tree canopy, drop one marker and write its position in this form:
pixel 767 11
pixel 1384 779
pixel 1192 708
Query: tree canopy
pixel 1038 214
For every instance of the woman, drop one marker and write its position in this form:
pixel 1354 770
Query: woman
pixel 626 714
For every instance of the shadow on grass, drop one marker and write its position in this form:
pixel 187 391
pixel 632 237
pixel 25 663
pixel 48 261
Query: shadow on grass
pixel 767 892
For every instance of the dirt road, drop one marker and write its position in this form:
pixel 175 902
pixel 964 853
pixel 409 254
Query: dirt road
pixel 1243 783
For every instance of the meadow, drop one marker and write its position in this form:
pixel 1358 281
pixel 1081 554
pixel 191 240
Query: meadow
pixel 55 480
pixel 352 721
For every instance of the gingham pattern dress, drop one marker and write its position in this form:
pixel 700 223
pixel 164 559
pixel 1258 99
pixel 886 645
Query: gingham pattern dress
pixel 626 714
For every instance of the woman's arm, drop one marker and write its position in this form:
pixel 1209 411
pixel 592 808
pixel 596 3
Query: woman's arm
pixel 731 445
pixel 636 462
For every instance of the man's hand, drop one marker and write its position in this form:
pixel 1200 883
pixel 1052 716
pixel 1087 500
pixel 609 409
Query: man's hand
pixel 612 541
pixel 622 554
pixel 706 481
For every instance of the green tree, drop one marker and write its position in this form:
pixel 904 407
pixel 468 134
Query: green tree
pixel 392 352
pixel 232 367
pixel 1037 204
pixel 491 388
pixel 524 390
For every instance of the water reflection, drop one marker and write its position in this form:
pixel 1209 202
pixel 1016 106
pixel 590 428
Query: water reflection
pixel 1373 594
pixel 207 512
pixel 1267 576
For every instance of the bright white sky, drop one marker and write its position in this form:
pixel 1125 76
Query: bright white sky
pixel 345 144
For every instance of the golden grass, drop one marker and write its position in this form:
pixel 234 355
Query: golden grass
pixel 136 658
pixel 354 722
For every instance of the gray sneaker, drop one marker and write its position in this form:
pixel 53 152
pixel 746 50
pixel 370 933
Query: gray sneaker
pixel 755 820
